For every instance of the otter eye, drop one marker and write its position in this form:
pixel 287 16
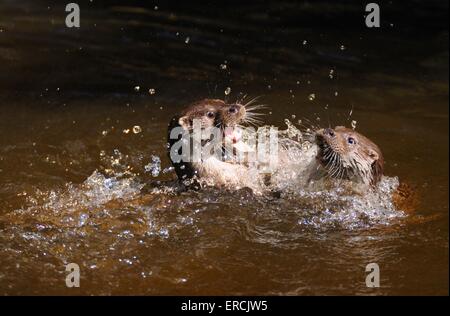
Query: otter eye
pixel 351 140
pixel 210 114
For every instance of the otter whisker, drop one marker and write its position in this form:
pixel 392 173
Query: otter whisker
pixel 254 107
pixel 251 101
pixel 252 120
pixel 335 171
pixel 252 114
pixel 330 159
pixel 240 101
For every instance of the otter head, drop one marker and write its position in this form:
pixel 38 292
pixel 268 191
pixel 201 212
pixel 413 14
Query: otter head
pixel 212 113
pixel 346 154
pixel 209 113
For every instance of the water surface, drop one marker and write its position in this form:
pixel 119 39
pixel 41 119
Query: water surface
pixel 76 182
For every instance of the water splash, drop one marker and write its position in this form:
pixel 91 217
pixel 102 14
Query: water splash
pixel 154 167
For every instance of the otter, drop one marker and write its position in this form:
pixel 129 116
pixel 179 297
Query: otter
pixel 346 154
pixel 208 113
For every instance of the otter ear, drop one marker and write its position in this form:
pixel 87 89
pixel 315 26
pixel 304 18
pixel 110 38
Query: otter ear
pixel 377 171
pixel 373 154
pixel 377 166
pixel 184 121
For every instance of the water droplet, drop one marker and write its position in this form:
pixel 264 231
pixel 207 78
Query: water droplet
pixel 83 219
pixel 187 40
pixel 305 42
pixel 181 280
pixel 168 169
pixel 311 97
pixel 353 124
pixel 126 131
pixel 108 183
pixel 164 232
pixel 223 66
pixel 137 88
pixel 227 91
pixel 331 74
pixel 137 129
pixel 342 47
pixel 154 167
pixel 151 91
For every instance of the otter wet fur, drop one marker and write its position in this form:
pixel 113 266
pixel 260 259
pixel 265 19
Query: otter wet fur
pixel 210 113
pixel 349 155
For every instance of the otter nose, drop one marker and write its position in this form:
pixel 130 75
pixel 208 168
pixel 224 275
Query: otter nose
pixel 329 132
pixel 233 109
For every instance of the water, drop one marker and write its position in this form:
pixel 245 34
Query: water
pixel 75 187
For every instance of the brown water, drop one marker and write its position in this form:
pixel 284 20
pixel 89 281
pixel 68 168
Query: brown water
pixel 76 186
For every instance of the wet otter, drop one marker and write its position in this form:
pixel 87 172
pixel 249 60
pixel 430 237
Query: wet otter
pixel 346 154
pixel 222 118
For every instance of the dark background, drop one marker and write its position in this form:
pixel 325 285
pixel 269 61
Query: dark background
pixel 67 98
pixel 122 44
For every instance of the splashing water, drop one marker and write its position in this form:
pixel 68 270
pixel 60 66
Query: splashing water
pixel 154 167
pixel 327 203
pixel 109 221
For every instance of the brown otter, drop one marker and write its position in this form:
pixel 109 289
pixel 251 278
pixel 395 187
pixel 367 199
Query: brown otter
pixel 346 154
pixel 208 113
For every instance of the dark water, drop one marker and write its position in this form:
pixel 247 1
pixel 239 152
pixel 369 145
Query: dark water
pixel 76 181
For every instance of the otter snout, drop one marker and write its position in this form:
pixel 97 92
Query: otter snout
pixel 234 109
pixel 329 132
pixel 324 135
pixel 233 114
pixel 237 109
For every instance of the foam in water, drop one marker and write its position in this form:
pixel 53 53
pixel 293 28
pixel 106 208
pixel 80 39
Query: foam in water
pixel 318 205
pixel 154 167
pixel 94 192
